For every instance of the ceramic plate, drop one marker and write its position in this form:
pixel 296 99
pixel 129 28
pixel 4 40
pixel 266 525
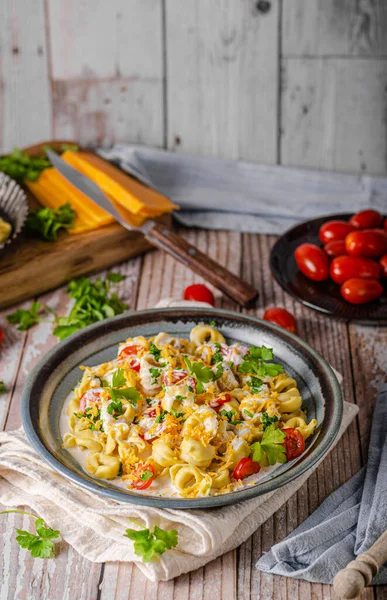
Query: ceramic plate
pixel 57 373
pixel 323 296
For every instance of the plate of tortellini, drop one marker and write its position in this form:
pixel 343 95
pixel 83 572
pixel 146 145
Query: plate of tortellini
pixel 182 407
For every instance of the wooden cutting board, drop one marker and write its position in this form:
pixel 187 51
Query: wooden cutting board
pixel 29 266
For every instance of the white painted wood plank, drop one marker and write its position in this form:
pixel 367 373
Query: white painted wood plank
pixel 25 98
pixel 334 114
pixel 222 68
pixel 93 39
pixel 328 27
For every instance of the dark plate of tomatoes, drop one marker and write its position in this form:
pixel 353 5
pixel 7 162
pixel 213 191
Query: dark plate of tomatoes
pixel 358 290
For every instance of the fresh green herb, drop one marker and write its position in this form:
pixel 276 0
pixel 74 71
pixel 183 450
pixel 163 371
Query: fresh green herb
pixel 3 387
pixel 230 414
pixel 115 408
pixel 180 398
pixel 190 388
pixel 255 384
pixel 200 372
pixel 119 379
pixel 25 318
pixel 255 362
pixel 46 222
pixel 231 364
pixel 149 544
pixel 155 373
pixel 146 475
pixel 20 166
pixel 129 393
pixel 176 414
pixel 148 401
pixel 41 544
pixel 270 446
pixel 218 356
pixel 120 468
pixel 115 277
pixel 248 413
pixel 92 419
pixel 155 351
pixel 218 372
pixel 266 420
pixel 213 323
pixel 161 416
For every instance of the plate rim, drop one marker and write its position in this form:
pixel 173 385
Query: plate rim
pixel 180 503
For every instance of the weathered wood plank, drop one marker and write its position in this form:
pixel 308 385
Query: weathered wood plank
pixel 328 28
pixel 25 98
pixel 222 66
pixel 333 114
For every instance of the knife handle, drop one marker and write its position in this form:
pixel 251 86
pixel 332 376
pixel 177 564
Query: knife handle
pixel 164 238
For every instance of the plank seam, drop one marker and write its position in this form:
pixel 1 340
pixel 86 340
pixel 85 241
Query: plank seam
pixel 49 61
pixel 165 72
pixel 351 366
pixel 11 397
pixel 100 581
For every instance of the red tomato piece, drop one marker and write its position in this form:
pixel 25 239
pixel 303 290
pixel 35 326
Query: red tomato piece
pixel 281 317
pixel 294 443
pixel 134 363
pixel 332 231
pixel 361 291
pixel 143 478
pixel 174 377
pixel 1 335
pixel 129 350
pixel 89 397
pixel 312 262
pixel 383 265
pixel 199 293
pixel 335 248
pixel 385 224
pixel 348 267
pixel 366 219
pixel 216 403
pixel 245 467
pixel 368 242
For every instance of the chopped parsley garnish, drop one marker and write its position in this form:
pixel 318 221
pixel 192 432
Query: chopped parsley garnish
pixel 155 352
pixel 115 408
pixel 146 475
pixel 230 414
pixel 200 372
pixel 255 362
pixel 180 398
pixel 174 413
pixel 266 420
pixel 161 416
pixel 148 401
pixel 46 222
pixel 155 373
pixel 41 544
pixel 218 356
pixel 255 384
pixel 190 388
pixel 93 415
pixel 119 379
pixel 149 544
pixel 129 393
pixel 219 372
pixel 270 446
pixel 213 323
pixel 248 413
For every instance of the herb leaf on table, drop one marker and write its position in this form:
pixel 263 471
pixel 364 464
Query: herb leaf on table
pixel 25 318
pixel 41 544
pixel 150 544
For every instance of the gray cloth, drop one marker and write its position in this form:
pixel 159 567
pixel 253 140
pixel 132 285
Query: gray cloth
pixel 346 524
pixel 240 196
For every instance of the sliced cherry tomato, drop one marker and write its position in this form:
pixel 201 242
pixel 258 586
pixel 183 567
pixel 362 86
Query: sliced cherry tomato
pixel 281 317
pixel 216 403
pixel 294 443
pixel 348 267
pixel 383 265
pixel 335 248
pixel 89 397
pixel 174 377
pixel 199 293
pixel 129 350
pixel 366 219
pixel 245 467
pixel 134 363
pixel 145 475
pixel 1 335
pixel 368 242
pixel 332 231
pixel 312 262
pixel 361 291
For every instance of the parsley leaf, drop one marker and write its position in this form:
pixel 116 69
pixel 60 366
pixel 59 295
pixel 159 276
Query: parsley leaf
pixel 218 356
pixel 155 373
pixel 270 446
pixel 155 352
pixel 3 387
pixel 46 222
pixel 200 372
pixel 266 420
pixel 146 475
pixel 40 544
pixel 115 408
pixel 119 379
pixel 161 416
pixel 149 544
pixel 255 362
pixel 129 393
pixel 25 318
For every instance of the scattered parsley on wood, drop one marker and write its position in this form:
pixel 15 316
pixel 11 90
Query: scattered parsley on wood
pixel 150 544
pixel 25 318
pixel 46 222
pixel 41 544
pixel 3 387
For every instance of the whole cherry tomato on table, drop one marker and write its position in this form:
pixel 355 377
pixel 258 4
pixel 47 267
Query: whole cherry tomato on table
pixel 366 219
pixel 144 474
pixel 361 291
pixel 199 293
pixel 245 467
pixel 312 262
pixel 383 265
pixel 331 231
pixel 294 443
pixel 369 243
pixel 347 267
pixel 281 317
pixel 335 248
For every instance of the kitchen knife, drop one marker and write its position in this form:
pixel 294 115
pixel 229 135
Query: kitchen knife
pixel 161 236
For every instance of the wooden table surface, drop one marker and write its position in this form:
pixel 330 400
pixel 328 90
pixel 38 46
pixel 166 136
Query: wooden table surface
pixel 358 352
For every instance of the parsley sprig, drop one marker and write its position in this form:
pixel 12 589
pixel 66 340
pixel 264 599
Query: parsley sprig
pixel 25 318
pixel 41 544
pixel 150 544
pixel 118 392
pixel 218 356
pixel 270 447
pixel 255 384
pixel 200 372
pixel 255 363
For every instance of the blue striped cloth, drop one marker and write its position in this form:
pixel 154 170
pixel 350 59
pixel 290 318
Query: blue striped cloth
pixel 345 525
pixel 240 196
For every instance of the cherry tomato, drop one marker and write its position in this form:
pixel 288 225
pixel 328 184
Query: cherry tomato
pixel 89 398
pixel 1 335
pixel 245 467
pixel 174 377
pixel 141 471
pixel 199 293
pixel 361 291
pixel 383 265
pixel 366 219
pixel 129 350
pixel 216 403
pixel 335 248
pixel 281 317
pixel 331 231
pixel 347 267
pixel 134 363
pixel 385 224
pixel 368 242
pixel 294 443
pixel 312 262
